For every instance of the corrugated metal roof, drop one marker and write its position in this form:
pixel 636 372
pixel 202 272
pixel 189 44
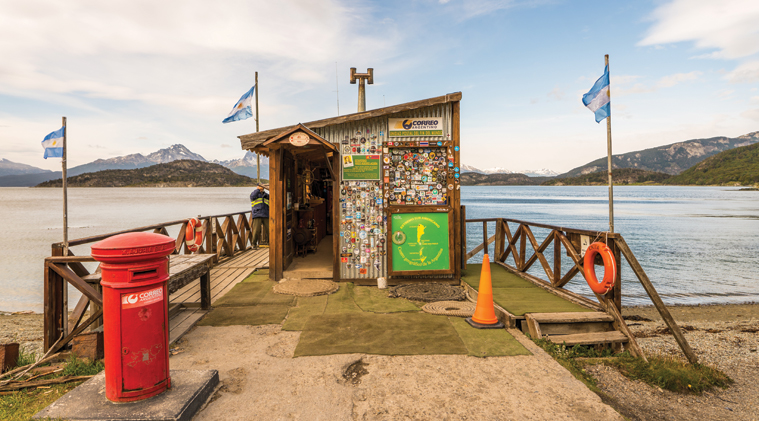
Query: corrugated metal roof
pixel 249 141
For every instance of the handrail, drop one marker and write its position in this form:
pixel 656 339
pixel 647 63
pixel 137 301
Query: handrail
pixel 221 239
pixel 513 244
pixel 85 240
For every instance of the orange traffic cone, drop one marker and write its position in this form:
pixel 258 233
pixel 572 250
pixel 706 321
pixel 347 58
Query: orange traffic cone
pixel 484 313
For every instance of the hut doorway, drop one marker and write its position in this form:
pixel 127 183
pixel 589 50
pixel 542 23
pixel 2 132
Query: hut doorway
pixel 303 175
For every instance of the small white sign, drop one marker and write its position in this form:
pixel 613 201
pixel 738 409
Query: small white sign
pixel 299 139
pixel 584 244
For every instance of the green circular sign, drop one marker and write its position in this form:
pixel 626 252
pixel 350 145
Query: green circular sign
pixel 399 237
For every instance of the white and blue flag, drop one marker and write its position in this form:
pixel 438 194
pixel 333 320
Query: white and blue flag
pixel 53 144
pixel 597 99
pixel 242 109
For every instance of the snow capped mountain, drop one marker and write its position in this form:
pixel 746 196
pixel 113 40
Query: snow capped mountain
pixel 246 165
pixel 173 153
pixel 469 168
pixel 497 170
pixel 544 172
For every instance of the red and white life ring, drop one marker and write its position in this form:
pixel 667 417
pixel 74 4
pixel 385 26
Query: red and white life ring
pixel 194 234
pixel 610 268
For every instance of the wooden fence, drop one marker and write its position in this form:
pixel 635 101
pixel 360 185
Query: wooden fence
pixel 511 250
pixel 224 236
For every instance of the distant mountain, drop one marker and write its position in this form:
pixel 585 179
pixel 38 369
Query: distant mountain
pixel 620 176
pixel 739 166
pixel 469 168
pixel 670 159
pixel 28 180
pixel 8 167
pixel 544 172
pixel 246 165
pixel 179 173
pixel 161 156
pixel 478 179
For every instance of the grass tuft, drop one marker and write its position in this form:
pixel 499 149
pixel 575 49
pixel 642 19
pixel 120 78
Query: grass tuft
pixel 82 367
pixel 25 358
pixel 672 374
pixel 666 372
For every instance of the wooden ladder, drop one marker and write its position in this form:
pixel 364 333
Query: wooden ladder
pixel 582 328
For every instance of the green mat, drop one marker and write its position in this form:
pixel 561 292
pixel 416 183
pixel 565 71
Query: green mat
pixel 249 315
pixel 517 295
pixel 487 342
pixel 500 276
pixel 342 301
pixel 244 294
pixel 376 301
pixel 384 334
pixel 307 307
pixel 258 276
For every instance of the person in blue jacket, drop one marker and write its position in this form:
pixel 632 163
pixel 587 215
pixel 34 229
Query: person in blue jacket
pixel 259 202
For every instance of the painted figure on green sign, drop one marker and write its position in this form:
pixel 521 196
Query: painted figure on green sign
pixel 419 233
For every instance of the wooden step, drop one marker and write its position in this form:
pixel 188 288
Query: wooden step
pixel 539 325
pixel 595 338
pixel 576 317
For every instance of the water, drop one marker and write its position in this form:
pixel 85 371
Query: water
pixel 697 244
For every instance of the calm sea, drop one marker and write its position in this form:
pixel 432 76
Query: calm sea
pixel 698 245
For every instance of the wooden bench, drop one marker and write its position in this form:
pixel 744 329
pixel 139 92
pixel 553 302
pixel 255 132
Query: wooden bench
pixel 183 269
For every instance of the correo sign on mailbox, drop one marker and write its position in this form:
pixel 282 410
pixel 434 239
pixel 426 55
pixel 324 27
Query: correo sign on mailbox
pixel 142 298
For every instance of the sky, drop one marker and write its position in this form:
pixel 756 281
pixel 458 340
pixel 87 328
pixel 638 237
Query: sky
pixel 134 76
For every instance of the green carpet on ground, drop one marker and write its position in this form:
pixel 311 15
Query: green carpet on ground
pixel 244 294
pixel 500 276
pixel 342 300
pixel 248 315
pixel 487 342
pixel 376 300
pixel 307 307
pixel 258 276
pixel 383 334
pixel 518 295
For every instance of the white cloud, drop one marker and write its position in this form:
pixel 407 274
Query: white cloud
pixel 672 80
pixel 745 73
pixel 752 114
pixel 731 27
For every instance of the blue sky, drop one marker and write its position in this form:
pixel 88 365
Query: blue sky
pixel 138 75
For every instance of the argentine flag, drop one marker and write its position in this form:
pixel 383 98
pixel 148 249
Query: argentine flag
pixel 53 144
pixel 597 99
pixel 242 109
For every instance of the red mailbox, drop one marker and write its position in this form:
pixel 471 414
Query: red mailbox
pixel 135 269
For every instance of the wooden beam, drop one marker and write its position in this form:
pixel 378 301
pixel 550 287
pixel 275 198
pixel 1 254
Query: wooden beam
pixel 479 248
pixel 77 282
pixel 658 303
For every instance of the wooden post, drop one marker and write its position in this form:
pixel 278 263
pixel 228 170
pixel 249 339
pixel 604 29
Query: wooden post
pixel 258 156
pixel 556 259
pixel 485 235
pixel 499 237
pixel 65 319
pixel 658 303
pixel 608 159
pixel 463 237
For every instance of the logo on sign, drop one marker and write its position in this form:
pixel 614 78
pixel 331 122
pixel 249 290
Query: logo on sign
pixel 299 139
pixel 141 299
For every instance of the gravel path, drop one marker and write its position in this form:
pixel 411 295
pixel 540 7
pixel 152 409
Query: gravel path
pixel 261 380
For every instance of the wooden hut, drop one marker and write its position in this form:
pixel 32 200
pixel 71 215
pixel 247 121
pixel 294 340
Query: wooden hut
pixel 369 195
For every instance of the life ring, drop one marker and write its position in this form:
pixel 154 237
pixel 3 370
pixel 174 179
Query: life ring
pixel 610 268
pixel 193 235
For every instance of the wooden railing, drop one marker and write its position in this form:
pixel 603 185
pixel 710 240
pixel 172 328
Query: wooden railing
pixel 518 249
pixel 223 235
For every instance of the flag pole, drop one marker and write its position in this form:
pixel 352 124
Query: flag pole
pixel 608 158
pixel 258 156
pixel 65 317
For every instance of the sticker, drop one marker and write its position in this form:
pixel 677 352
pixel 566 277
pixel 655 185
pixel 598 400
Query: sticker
pixel 143 298
pixel 441 144
pixel 399 237
pixel 456 175
pixel 456 148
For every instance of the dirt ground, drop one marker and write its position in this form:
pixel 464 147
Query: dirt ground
pixel 725 337
pixel 261 380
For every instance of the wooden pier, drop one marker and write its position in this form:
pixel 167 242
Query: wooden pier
pixel 185 306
